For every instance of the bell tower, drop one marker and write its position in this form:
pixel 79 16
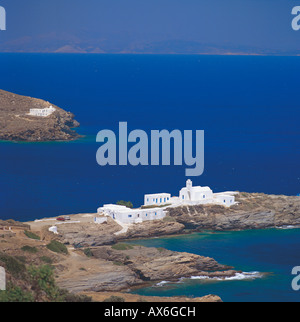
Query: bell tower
pixel 189 184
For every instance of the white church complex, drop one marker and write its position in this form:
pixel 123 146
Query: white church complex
pixel 42 112
pixel 130 216
pixel 155 204
pixel 190 195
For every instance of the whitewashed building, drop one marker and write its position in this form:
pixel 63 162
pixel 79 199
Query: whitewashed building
pixel 127 215
pixel 198 193
pixel 100 220
pixel 188 195
pixel 157 199
pixel 224 198
pixel 192 195
pixel 42 112
pixel 53 229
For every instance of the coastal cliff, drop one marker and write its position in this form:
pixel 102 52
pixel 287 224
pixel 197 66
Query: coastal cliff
pixel 98 262
pixel 95 270
pixel 17 125
pixel 135 265
pixel 123 266
pixel 85 234
pixel 252 211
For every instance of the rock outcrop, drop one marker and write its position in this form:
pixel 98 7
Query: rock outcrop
pixel 116 267
pixel 156 264
pixel 10 223
pixel 17 125
pixel 92 235
pixel 154 228
pixel 122 266
pixel 95 275
pixel 253 211
pixel 128 297
pixel 89 234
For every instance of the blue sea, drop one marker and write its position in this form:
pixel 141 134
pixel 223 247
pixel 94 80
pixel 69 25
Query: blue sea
pixel 266 258
pixel 247 106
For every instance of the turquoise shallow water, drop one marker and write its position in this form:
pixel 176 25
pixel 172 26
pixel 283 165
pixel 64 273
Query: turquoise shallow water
pixel 274 251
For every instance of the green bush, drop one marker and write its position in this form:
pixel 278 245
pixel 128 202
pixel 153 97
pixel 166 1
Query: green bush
pixel 22 259
pixel 44 287
pixel 114 299
pixel 42 280
pixel 88 252
pixel 121 246
pixel 156 206
pixel 12 265
pixel 29 249
pixel 31 235
pixel 57 247
pixel 15 294
pixel 169 219
pixel 70 297
pixel 125 203
pixel 38 279
pixel 46 259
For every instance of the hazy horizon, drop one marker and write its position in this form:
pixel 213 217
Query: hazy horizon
pixel 156 27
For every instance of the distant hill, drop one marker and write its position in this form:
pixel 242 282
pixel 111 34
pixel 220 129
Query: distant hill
pixel 17 125
pixel 66 43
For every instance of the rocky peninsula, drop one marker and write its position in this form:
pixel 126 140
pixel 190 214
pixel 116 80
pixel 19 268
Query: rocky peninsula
pixel 101 271
pixel 252 211
pixel 16 123
pixel 99 262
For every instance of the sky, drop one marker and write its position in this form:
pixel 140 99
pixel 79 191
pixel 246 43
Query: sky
pixel 156 25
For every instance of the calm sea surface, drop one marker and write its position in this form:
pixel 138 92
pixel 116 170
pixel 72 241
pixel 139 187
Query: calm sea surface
pixel 248 107
pixel 272 251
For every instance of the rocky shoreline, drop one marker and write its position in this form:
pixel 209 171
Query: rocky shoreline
pixel 252 211
pixel 126 266
pixel 17 125
pixel 114 268
pixel 121 269
pixel 100 260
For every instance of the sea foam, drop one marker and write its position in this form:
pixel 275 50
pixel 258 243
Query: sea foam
pixel 236 277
